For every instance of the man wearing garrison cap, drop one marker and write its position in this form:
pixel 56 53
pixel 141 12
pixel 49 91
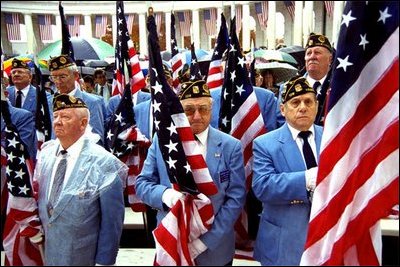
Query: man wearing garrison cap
pixel 224 158
pixel 80 196
pixel 318 59
pixel 285 171
pixel 23 94
pixel 64 73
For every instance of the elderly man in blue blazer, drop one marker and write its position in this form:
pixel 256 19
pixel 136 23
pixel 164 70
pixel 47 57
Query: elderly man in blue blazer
pixel 83 222
pixel 22 94
pixel 224 159
pixel 285 170
pixel 64 73
pixel 266 101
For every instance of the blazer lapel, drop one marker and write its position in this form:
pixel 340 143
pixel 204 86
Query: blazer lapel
pixel 214 152
pixel 290 150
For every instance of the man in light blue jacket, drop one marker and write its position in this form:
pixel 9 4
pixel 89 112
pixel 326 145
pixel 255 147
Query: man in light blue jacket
pixel 83 223
pixel 285 176
pixel 224 158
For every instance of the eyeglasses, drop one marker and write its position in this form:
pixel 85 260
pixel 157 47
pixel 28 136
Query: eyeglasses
pixel 53 78
pixel 203 110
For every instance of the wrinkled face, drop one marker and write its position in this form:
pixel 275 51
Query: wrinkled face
pixel 300 111
pixel 64 80
pixel 198 112
pixel 69 124
pixel 21 77
pixel 318 60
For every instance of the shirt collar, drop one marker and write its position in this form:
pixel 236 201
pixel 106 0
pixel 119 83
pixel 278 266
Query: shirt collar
pixel 73 150
pixel 295 133
pixel 203 136
pixel 24 91
pixel 311 81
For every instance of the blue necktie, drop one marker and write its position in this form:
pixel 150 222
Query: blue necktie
pixel 58 182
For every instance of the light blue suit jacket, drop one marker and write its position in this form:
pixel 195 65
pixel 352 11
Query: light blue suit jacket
pixel 266 101
pixel 225 162
pixel 279 183
pixel 25 123
pixel 114 101
pixel 30 100
pixel 87 221
pixel 142 117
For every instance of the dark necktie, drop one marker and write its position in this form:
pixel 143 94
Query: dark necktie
pixel 58 182
pixel 101 90
pixel 18 101
pixel 315 86
pixel 307 151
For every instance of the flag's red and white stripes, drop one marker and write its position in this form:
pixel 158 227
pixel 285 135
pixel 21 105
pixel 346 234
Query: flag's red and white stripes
pixel 176 66
pixel 74 23
pixel 137 81
pixel 22 224
pixel 358 171
pixel 329 7
pixel 215 76
pixel 134 161
pixel 262 14
pixel 185 22
pixel 210 19
pixel 238 14
pixel 187 220
pixel 129 21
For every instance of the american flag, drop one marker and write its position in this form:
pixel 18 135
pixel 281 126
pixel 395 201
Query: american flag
pixel 215 76
pixel 12 25
pixel 176 57
pixel 22 230
pixel 186 167
pixel 290 7
pixel 240 114
pixel 66 48
pixel 195 73
pixel 210 19
pixel 45 27
pixel 42 118
pixel 128 144
pixel 358 173
pixel 329 7
pixel 130 19
pixel 101 25
pixel 185 22
pixel 126 59
pixel 262 14
pixel 238 16
pixel 74 23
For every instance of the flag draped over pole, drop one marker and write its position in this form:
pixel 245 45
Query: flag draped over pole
pixel 23 230
pixel 176 57
pixel 42 118
pixel 12 25
pixel 45 27
pixel 127 67
pixel 101 25
pixel 240 114
pixel 290 8
pixel 358 173
pixel 262 14
pixel 186 167
pixel 210 19
pixel 215 77
pixel 66 48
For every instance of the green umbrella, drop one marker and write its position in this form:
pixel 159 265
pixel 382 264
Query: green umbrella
pixel 265 56
pixel 84 48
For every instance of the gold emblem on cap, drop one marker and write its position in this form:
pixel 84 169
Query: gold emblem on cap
pixel 54 64
pixel 298 87
pixel 321 38
pixel 310 42
pixel 196 89
pixel 63 60
pixel 72 99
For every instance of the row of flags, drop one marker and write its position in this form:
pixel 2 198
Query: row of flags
pixel 357 183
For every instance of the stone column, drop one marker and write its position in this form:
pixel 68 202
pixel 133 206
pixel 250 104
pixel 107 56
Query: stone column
pixel 88 32
pixel 270 33
pixel 337 17
pixel 143 35
pixel 195 29
pixel 308 21
pixel 168 31
pixel 246 27
pixel 30 35
pixel 298 24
